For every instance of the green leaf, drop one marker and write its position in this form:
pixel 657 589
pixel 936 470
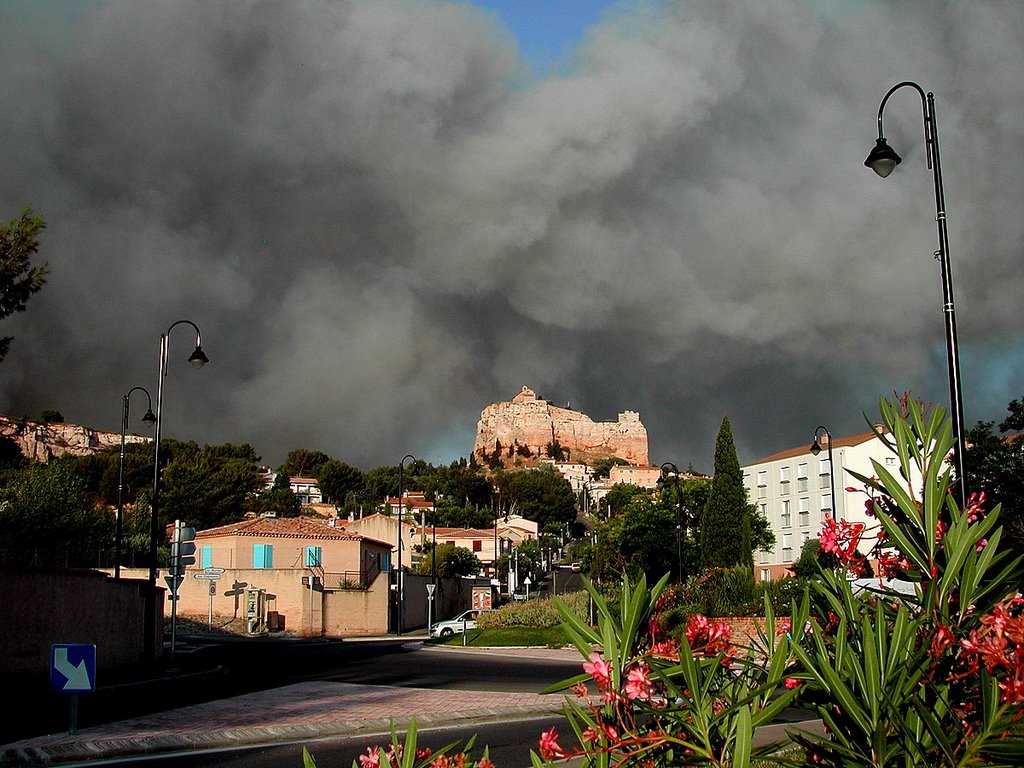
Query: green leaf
pixel 308 761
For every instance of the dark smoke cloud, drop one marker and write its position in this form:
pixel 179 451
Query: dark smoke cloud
pixel 382 224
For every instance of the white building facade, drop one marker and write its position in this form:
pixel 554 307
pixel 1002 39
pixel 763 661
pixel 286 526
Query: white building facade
pixel 793 490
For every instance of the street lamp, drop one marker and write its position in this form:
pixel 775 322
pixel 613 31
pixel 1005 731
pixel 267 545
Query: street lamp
pixel 148 418
pixel 198 359
pixel 883 160
pixel 670 470
pixel 815 450
pixel 398 579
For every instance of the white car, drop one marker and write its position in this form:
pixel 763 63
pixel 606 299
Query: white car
pixel 464 621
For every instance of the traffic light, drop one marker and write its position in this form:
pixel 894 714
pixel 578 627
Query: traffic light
pixel 183 548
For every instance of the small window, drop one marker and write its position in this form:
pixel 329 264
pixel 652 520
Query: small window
pixel 206 556
pixel 787 517
pixel 314 557
pixel 766 574
pixel 478 545
pixel 262 555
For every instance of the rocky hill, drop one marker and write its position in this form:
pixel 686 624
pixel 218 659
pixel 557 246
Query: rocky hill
pixel 524 428
pixel 42 442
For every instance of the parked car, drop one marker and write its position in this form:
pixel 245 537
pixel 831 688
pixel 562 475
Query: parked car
pixel 574 567
pixel 464 621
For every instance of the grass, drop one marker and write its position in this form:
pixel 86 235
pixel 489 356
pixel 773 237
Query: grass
pixel 505 637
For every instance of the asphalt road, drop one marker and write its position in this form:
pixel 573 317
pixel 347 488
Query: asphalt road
pixel 509 744
pixel 208 670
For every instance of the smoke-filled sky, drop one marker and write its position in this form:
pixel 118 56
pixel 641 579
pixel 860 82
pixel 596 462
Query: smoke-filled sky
pixel 386 215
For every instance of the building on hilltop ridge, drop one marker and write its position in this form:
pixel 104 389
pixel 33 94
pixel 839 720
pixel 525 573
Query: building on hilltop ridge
pixel 527 429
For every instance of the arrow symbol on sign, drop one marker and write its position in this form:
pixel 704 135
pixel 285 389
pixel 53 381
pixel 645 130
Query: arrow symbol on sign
pixel 77 674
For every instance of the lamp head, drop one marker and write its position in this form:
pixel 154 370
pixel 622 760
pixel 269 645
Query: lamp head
pixel 883 158
pixel 815 447
pixel 149 418
pixel 198 358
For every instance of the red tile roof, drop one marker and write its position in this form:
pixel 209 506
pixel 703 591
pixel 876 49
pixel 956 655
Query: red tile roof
pixel 804 450
pixel 283 528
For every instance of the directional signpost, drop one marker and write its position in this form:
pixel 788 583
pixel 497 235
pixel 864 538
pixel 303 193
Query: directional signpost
pixel 212 575
pixel 73 671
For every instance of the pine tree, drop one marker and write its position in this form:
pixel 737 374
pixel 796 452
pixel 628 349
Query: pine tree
pixel 725 527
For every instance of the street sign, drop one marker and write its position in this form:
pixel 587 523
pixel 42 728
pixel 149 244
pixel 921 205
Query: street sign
pixel 173 582
pixel 213 570
pixel 207 576
pixel 430 590
pixel 73 668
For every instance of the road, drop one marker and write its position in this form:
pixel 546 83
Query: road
pixel 210 670
pixel 509 744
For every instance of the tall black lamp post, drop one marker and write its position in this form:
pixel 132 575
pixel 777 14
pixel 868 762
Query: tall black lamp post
pixel 670 473
pixel 148 418
pixel 883 160
pixel 815 450
pixel 399 581
pixel 198 359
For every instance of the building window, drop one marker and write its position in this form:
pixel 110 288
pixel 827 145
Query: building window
pixel 762 484
pixel 787 517
pixel 262 555
pixel 787 547
pixel 206 556
pixel 801 478
pixel 826 504
pixel 805 536
pixel 890 461
pixel 805 511
pixel 766 574
pixel 784 481
pixel 478 545
pixel 314 557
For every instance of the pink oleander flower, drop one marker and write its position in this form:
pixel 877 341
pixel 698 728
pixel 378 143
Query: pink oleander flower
pixel 783 626
pixel 982 543
pixel 580 689
pixel 943 639
pixel 666 649
pixel 792 682
pixel 941 526
pixel 549 749
pixel 707 637
pixel 638 684
pixel 599 669
pixel 371 759
pixel 485 762
pixel 974 507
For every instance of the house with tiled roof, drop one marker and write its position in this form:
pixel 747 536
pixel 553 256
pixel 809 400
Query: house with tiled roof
pixel 792 488
pixel 307 574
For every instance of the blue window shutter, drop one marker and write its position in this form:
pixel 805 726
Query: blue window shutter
pixel 262 556
pixel 207 556
pixel 314 556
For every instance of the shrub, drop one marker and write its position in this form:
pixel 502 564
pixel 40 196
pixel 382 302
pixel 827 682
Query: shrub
pixel 540 614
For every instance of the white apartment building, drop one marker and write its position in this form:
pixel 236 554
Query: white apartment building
pixel 793 490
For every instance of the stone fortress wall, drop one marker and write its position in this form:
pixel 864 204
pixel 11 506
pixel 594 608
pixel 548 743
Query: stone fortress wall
pixel 531 423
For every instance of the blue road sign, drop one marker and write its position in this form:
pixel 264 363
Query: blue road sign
pixel 73 668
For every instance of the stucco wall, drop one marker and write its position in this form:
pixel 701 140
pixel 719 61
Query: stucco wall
pixel 44 607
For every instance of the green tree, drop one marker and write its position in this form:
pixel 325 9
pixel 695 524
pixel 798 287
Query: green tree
pixel 304 463
pixel 209 486
pixel 451 561
pixel 540 495
pixel 19 280
pixel 725 527
pixel 338 479
pixel 994 464
pixel 48 520
pixel 648 538
pixel 620 495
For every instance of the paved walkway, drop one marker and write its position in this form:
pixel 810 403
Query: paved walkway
pixel 301 711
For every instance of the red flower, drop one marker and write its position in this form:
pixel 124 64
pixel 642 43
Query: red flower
pixel 599 669
pixel 549 749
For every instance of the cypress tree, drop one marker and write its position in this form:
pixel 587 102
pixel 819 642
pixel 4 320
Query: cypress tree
pixel 725 527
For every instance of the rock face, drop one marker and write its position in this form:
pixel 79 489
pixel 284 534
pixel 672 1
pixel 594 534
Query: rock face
pixel 42 442
pixel 522 430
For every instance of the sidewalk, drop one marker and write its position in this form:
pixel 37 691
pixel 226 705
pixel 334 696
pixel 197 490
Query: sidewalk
pixel 298 712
